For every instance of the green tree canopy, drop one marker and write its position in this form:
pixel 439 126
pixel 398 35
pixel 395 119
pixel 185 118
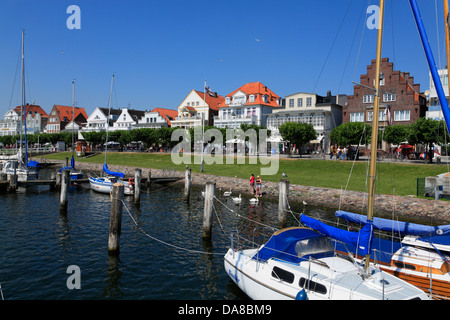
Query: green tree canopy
pixel 297 133
pixel 351 133
pixel 396 134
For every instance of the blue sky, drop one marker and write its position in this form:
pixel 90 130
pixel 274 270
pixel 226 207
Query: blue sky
pixel 160 50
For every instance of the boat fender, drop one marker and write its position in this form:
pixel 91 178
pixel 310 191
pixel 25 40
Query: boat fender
pixel 301 295
pixel 130 181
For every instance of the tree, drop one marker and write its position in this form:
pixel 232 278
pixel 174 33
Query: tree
pixel 428 132
pixel 297 133
pixel 396 134
pixel 351 133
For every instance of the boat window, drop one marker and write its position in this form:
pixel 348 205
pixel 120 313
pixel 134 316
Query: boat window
pixel 282 275
pixel 313 246
pixel 312 285
pixel 400 264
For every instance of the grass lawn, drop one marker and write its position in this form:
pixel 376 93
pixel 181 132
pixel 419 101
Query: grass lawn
pixel 319 173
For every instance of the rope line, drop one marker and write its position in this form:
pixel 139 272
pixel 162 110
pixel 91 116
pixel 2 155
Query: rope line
pixel 164 242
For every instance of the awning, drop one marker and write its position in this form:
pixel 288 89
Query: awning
pixel 319 140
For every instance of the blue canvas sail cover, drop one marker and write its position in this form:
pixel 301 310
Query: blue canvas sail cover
pixel 404 228
pixel 33 164
pixel 112 173
pixel 362 239
pixel 282 244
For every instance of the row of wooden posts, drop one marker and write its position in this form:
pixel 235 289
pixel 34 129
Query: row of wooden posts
pixel 117 196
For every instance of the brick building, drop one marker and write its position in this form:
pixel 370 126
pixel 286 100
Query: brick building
pixel 400 97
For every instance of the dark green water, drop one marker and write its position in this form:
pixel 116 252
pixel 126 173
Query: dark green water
pixel 38 244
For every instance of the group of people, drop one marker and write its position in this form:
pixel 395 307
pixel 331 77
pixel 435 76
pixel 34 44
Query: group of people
pixel 258 182
pixel 341 153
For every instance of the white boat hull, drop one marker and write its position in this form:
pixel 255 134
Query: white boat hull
pixel 105 185
pixel 257 280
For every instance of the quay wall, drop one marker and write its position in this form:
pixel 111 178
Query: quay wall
pixel 410 207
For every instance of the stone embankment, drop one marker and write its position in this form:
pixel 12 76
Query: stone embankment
pixel 408 207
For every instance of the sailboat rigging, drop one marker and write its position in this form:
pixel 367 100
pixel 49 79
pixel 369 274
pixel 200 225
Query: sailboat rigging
pixel 19 167
pixel 421 256
pixel 105 184
pixel 300 263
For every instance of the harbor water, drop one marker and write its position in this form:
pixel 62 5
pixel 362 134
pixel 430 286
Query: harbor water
pixel 162 253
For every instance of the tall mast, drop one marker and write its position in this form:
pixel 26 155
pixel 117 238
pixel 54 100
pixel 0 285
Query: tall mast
pixel 22 93
pixel 73 115
pixel 447 39
pixel 109 115
pixel 374 140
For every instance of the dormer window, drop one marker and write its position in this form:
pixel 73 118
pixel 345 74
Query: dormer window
pixel 227 100
pixel 252 98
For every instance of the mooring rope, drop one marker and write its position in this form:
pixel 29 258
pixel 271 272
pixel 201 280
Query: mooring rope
pixel 164 242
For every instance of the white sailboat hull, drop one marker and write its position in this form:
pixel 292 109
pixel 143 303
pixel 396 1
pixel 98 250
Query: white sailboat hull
pixel 105 185
pixel 339 280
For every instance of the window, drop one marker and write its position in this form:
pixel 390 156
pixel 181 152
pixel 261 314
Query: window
pixel 300 102
pixel 356 116
pixel 368 98
pixel 388 97
pixel 227 100
pixel 312 286
pixel 381 80
pixel 381 115
pixel 291 103
pixel 252 98
pixel 308 102
pixel 401 115
pixel 282 275
pixel 401 264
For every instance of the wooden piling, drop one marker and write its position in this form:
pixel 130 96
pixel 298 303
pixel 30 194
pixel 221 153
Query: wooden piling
pixel 210 190
pixel 187 183
pixel 58 180
pixel 283 203
pixel 65 183
pixel 13 178
pixel 137 185
pixel 149 179
pixel 115 221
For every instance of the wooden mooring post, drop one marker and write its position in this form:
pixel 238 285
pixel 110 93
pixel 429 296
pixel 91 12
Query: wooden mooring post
pixel 149 179
pixel 115 221
pixel 137 185
pixel 210 190
pixel 65 183
pixel 283 202
pixel 187 183
pixel 13 178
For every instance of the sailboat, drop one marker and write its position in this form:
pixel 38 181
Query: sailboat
pixel 74 173
pixel 23 171
pixel 301 263
pixel 105 183
pixel 421 256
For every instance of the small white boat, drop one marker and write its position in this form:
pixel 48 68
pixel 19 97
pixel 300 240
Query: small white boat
pixel 105 184
pixel 22 171
pixel 301 264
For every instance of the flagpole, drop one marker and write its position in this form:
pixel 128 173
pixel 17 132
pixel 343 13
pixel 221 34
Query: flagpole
pixel 203 124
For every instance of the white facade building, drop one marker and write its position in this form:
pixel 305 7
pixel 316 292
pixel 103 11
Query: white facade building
pixel 434 105
pixel 324 113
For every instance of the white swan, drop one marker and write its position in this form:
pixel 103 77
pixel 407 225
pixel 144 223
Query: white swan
pixel 254 200
pixel 227 193
pixel 237 199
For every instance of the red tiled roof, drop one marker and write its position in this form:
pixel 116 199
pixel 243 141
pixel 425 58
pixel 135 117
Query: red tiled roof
pixel 66 112
pixel 166 113
pixel 33 109
pixel 259 90
pixel 214 102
